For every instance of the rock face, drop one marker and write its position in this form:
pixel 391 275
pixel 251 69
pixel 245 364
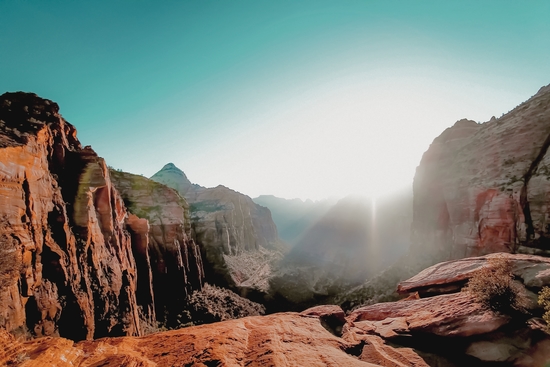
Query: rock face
pixel 454 325
pixel 439 330
pixel 483 188
pixel 75 273
pixel 278 340
pixel 238 237
pixel 176 264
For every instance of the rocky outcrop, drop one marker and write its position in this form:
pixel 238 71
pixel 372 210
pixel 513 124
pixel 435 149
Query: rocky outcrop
pixel 450 276
pixel 75 274
pixel 176 264
pixel 441 320
pixel 439 330
pixel 483 188
pixel 238 238
pixel 278 340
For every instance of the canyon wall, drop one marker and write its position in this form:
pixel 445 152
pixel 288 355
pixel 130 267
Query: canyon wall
pixel 72 271
pixel 176 263
pixel 238 237
pixel 483 188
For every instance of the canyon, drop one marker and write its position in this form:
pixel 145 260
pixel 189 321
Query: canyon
pixel 238 237
pixel 91 257
pixel 442 329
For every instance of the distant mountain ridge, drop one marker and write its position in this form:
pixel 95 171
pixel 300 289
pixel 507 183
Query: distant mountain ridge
pixel 294 216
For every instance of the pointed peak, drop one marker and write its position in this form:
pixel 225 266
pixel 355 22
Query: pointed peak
pixel 170 166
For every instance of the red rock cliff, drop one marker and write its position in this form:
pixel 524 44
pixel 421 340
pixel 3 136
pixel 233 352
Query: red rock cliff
pixel 74 273
pixel 176 264
pixel 483 188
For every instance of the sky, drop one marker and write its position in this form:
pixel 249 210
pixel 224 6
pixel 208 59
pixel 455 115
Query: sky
pixel 298 99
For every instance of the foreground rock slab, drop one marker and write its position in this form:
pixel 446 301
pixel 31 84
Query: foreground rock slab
pixel 534 271
pixel 445 315
pixel 286 339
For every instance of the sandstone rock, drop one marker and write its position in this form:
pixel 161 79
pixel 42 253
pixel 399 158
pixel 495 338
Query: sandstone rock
pixel 491 351
pixel 176 263
pixel 534 271
pixel 277 340
pixel 326 311
pixel 59 211
pixel 238 237
pixel 483 188
pixel 377 352
pixel 446 315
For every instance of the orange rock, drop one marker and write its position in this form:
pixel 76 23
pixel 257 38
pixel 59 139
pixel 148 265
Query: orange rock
pixel 446 315
pixel 533 270
pixel 286 339
pixel 59 210
pixel 169 261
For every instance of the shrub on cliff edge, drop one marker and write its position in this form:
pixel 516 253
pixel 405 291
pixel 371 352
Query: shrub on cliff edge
pixel 494 287
pixel 544 301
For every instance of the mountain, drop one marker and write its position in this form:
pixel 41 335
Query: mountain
pixel 71 269
pixel 483 188
pixel 354 240
pixel 293 217
pixel 165 230
pixel 238 237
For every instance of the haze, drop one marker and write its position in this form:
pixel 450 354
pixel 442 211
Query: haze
pixel 305 99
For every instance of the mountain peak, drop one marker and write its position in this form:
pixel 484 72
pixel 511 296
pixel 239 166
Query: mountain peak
pixel 171 176
pixel 170 166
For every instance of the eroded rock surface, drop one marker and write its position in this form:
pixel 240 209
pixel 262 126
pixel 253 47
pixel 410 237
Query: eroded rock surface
pixel 176 264
pixel 238 237
pixel 278 340
pixel 75 274
pixel 483 188
pixel 534 271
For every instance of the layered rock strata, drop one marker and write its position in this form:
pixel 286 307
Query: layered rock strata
pixel 483 188
pixel 165 243
pixel 75 273
pixel 238 237
pixel 287 339
pixel 439 330
pixel 449 324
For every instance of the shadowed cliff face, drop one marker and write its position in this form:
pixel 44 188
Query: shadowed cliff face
pixel 58 210
pixel 176 264
pixel 238 237
pixel 483 188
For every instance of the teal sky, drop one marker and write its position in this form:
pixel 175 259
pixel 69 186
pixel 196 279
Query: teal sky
pixel 291 98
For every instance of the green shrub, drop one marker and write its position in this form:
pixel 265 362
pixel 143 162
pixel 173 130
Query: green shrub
pixel 544 301
pixel 494 287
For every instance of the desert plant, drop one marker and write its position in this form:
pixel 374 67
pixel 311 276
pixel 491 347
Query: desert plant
pixel 494 287
pixel 544 301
